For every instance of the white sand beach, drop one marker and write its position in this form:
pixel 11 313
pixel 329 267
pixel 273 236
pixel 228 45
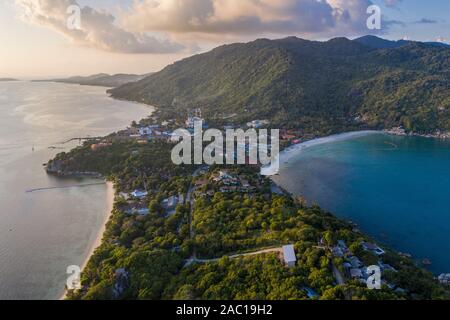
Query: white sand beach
pixel 110 194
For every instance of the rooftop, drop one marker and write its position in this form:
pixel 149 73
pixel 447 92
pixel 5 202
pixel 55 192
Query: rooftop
pixel 289 253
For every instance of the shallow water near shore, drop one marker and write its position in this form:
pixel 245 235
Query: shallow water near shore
pixel 44 232
pixel 395 188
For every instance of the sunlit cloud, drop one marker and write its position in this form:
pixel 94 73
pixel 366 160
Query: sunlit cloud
pixel 98 29
pixel 170 26
pixel 242 17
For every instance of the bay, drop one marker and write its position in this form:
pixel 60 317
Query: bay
pixel 397 189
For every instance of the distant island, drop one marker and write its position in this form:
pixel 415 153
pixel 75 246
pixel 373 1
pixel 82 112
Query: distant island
pixel 101 80
pixel 7 79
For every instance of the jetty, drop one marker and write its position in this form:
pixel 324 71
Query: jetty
pixel 66 187
pixel 82 139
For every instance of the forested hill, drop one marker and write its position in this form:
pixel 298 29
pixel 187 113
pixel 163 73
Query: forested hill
pixel 320 87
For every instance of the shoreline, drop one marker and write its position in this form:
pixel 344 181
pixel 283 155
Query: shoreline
pixel 110 195
pixel 291 151
pixel 295 150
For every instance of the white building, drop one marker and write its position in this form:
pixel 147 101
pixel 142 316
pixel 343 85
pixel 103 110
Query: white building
pixel 289 256
pixel 373 248
pixel 256 124
pixel 142 211
pixel 139 194
pixel 444 278
pixel 170 204
pixel 149 130
pixel 222 176
pixel 190 122
pixel 145 131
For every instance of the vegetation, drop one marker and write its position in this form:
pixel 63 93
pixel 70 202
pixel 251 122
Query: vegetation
pixel 154 249
pixel 200 250
pixel 320 88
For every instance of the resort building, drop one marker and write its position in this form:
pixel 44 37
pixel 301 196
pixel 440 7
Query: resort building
pixel 356 273
pixel 373 248
pixel 139 210
pixel 256 124
pixel 190 122
pixel 289 256
pixel 170 204
pixel 444 278
pixel 148 131
pixel 139 194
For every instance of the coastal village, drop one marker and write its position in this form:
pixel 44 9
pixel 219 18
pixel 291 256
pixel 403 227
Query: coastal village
pixel 400 131
pixel 346 265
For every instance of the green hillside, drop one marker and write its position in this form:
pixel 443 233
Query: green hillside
pixel 316 86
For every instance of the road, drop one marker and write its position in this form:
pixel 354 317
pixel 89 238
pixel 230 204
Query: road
pixel 337 274
pixel 190 199
pixel 248 254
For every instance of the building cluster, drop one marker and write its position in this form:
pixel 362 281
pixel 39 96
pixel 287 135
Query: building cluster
pixel 101 145
pixel 144 133
pixel 225 181
pixel 229 182
pixel 444 278
pixel 137 203
pixel 355 268
pixel 258 124
pixel 170 204
pixel 291 137
pixel 400 131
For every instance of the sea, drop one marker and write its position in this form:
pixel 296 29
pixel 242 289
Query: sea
pixel 44 232
pixel 395 188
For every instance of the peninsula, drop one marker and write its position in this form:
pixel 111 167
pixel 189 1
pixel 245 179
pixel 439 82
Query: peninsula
pixel 226 232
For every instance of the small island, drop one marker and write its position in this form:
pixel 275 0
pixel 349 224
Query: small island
pixel 100 80
pixel 8 79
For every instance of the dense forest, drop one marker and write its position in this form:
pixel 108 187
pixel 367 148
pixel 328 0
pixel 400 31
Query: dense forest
pixel 318 87
pixel 158 255
pixel 217 232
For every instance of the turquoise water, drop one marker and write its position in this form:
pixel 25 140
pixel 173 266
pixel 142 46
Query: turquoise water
pixel 397 189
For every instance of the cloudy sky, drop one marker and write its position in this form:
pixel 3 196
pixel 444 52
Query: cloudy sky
pixel 140 36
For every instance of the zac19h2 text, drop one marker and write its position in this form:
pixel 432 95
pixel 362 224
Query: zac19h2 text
pixel 225 310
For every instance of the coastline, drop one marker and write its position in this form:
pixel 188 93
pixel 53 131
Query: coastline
pixel 294 150
pixel 110 194
pixel 291 151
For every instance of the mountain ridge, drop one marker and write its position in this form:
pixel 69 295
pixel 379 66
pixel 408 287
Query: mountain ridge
pixel 321 87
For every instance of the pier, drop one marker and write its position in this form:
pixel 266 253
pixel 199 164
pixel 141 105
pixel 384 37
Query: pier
pixel 82 139
pixel 66 187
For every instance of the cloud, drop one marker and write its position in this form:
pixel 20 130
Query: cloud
pixel 425 21
pixel 392 3
pixel 182 24
pixel 98 29
pixel 441 39
pixel 219 18
pixel 390 23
